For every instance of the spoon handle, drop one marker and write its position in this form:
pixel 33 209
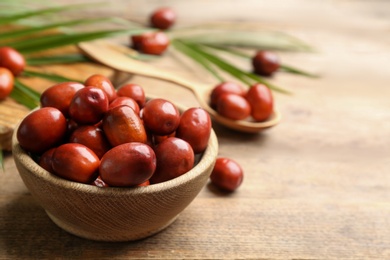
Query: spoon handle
pixel 116 59
pixel 114 55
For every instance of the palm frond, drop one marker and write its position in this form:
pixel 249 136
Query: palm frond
pixel 56 59
pixel 23 15
pixel 59 40
pixel 245 77
pixel 25 95
pixel 49 76
pixel 283 67
pixel 197 58
pixel 294 70
pixel 12 34
pixel 248 39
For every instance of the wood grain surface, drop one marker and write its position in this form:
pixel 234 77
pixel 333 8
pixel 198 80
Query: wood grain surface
pixel 317 186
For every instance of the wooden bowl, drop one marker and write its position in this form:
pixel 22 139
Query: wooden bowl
pixel 113 214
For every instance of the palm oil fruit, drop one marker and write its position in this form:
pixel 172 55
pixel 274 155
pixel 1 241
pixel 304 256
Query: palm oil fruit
pixel 123 125
pixel 160 116
pixel 104 83
pixel 41 130
pixel 265 63
pixel 227 174
pixel 153 43
pixel 6 82
pixel 12 60
pixel 195 128
pixel 128 164
pixel 174 158
pixel 60 96
pixel 80 135
pixel 88 105
pixel 260 99
pixel 163 18
pixel 75 162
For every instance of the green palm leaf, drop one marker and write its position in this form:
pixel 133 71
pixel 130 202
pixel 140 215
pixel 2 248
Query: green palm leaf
pixel 56 59
pixel 247 39
pixel 29 31
pixel 294 70
pixel 197 58
pixel 59 40
pixel 28 14
pixel 245 77
pixel 283 67
pixel 49 76
pixel 199 44
pixel 25 95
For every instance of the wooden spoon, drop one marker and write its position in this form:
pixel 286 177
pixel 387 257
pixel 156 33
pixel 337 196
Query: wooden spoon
pixel 113 56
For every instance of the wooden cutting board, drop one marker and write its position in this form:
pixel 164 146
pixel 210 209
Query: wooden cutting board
pixel 11 112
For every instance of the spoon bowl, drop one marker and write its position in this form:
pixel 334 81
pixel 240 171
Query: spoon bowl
pixel 113 56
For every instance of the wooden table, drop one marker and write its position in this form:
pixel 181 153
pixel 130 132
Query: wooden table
pixel 317 186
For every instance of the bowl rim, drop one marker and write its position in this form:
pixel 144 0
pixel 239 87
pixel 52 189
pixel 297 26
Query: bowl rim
pixel 207 159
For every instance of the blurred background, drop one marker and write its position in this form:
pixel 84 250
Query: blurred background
pixel 316 186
